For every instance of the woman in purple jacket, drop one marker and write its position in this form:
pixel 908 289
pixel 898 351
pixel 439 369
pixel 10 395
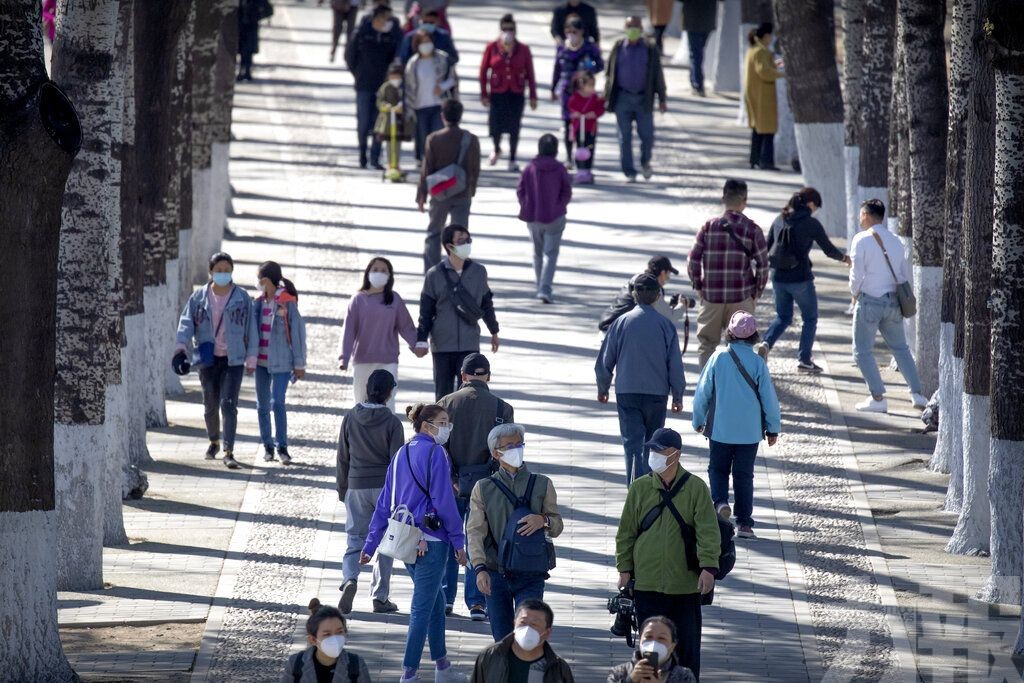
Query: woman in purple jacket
pixel 420 479
pixel 376 318
pixel 544 192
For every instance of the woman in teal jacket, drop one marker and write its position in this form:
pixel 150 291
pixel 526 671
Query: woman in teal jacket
pixel 735 416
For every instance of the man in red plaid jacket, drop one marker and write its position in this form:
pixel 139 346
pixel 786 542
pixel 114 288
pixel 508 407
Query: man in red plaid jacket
pixel 728 267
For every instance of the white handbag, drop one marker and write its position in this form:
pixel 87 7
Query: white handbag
pixel 402 538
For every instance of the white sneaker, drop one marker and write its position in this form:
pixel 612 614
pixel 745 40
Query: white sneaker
pixel 870 405
pixel 763 349
pixel 450 675
pixel 918 400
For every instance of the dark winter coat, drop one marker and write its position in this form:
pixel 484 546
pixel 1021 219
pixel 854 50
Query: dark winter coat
pixel 368 56
pixel 655 78
pixel 804 231
pixel 587 57
pixel 369 437
pixel 492 664
pixel 474 410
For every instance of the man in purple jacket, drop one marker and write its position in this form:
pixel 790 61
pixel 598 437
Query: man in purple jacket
pixel 544 192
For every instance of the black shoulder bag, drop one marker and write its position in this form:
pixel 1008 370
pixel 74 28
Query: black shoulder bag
pixel 465 305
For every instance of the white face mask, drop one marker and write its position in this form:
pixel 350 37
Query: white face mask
pixel 332 646
pixel 426 48
pixel 654 646
pixel 527 637
pixel 442 434
pixel 462 250
pixel 513 457
pixel 378 279
pixel 397 82
pixel 508 37
pixel 658 462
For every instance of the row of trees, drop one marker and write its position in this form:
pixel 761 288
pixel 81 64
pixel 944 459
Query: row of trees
pixel 113 188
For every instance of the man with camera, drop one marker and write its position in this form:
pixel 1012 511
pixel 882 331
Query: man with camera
pixel 668 515
pixel 474 411
pixel 674 309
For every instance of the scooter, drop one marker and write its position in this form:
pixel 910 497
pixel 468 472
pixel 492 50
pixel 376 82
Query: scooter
pixel 393 174
pixel 583 176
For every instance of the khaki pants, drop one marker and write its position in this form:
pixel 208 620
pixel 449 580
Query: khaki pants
pixel 712 320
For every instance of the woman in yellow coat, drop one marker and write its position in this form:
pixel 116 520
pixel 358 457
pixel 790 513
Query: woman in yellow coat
pixel 660 13
pixel 762 107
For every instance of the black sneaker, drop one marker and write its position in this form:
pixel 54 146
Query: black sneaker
pixel 809 367
pixel 449 610
pixel 212 451
pixel 478 613
pixel 286 459
pixel 384 606
pixel 229 461
pixel 348 594
pixel 268 453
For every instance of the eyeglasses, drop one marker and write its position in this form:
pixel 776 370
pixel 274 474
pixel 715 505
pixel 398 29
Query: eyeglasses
pixel 511 446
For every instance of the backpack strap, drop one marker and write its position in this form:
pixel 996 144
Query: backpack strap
pixel 297 668
pixel 689 537
pixel 528 496
pixel 463 148
pixel 504 489
pixel 652 515
pixel 353 667
pixel 499 411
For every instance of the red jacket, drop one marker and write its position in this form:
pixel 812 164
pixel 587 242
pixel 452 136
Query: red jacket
pixel 507 72
pixel 581 104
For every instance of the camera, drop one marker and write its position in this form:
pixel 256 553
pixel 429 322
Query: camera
pixel 432 521
pixel 677 300
pixel 623 608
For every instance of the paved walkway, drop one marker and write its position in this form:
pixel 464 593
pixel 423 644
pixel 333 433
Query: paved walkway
pixel 244 551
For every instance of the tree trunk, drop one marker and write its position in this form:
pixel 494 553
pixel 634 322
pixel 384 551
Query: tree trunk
pixel 184 138
pixel 220 120
pixel 971 536
pixel 725 77
pixel 897 142
pixel 927 102
pixel 1006 474
pixel 83 63
pixel 853 45
pixel 949 444
pixel 39 137
pixel 806 32
pixel 872 107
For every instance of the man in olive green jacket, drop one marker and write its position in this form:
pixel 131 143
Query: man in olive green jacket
pixel 664 583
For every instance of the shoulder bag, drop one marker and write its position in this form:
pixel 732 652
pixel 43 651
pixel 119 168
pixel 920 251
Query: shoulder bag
pixel 402 537
pixel 904 290
pixel 465 305
pixel 449 181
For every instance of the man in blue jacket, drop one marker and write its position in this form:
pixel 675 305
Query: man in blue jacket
pixel 642 350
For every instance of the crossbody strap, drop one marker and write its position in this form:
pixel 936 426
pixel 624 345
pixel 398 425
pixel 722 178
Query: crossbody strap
pixel 652 516
pixel 408 461
pixel 463 148
pixel 727 226
pixel 878 238
pixel 750 382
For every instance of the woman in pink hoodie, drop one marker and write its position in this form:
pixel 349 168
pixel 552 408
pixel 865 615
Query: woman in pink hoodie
pixel 544 192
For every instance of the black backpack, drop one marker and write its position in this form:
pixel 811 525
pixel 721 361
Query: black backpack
pixel 624 303
pixel 781 255
pixel 353 668
pixel 727 554
pixel 520 554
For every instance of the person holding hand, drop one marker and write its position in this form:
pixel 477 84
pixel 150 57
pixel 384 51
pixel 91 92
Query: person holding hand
pixel 658 635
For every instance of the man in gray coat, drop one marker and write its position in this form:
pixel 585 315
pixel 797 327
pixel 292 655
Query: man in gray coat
pixel 454 299
pixel 698 22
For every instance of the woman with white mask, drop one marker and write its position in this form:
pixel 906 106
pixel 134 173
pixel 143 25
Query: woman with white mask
pixel 654 660
pixel 326 658
pixel 429 80
pixel 377 317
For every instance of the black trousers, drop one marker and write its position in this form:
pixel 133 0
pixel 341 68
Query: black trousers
pixel 221 383
pixel 684 611
pixel 447 371
pixel 762 149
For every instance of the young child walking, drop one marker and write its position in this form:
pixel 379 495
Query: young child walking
pixel 389 99
pixel 585 108
pixel 282 354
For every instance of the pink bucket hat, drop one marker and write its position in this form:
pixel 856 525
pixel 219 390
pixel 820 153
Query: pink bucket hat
pixel 742 324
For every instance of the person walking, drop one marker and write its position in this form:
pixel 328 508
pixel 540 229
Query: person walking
pixel 282 355
pixel 453 324
pixel 635 77
pixel 641 349
pixel 368 56
pixel 430 80
pixel 648 560
pixel 659 12
pixel 452 146
pixel 344 13
pixel 217 323
pixel 761 73
pixel 585 108
pixel 430 22
pixel 699 21
pixel 789 244
pixel 370 434
pixel 735 407
pixel 573 55
pixel 506 71
pixel 473 410
pixel 525 654
pixel 419 478
pixel 491 539
pixel 325 658
pixel 389 99
pixel 249 15
pixel 660 636
pixel 584 12
pixel 544 192
pixel 878 267
pixel 728 266
pixel 377 317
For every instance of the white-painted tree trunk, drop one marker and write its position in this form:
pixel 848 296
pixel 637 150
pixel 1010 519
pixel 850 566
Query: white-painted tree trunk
pixel 971 536
pixel 115 462
pixel 184 268
pixel 675 25
pixel 928 288
pixel 159 344
pixel 910 324
pixel 172 381
pixel 946 437
pixel 30 648
pixel 821 159
pixel 79 452
pixel 201 228
pixel 682 55
pixel 955 490
pixel 741 111
pixel 785 138
pixel 134 365
pixel 851 173
pixel 1005 482
pixel 726 74
pixel 221 197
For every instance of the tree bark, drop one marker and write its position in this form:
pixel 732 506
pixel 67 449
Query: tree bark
pixel 184 139
pixel 853 44
pixel 1006 473
pixel 83 63
pixel 806 31
pixel 39 137
pixel 725 77
pixel 971 536
pixel 900 217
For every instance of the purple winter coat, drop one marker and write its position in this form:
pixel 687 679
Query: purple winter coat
pixel 544 190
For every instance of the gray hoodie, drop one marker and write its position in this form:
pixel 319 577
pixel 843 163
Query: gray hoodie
pixel 370 435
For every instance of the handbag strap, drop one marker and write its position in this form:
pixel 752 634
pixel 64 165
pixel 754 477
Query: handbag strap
pixel 750 381
pixel 463 148
pixel 878 238
pixel 727 226
pixel 408 460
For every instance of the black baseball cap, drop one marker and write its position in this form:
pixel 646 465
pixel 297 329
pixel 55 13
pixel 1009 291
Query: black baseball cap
pixel 658 264
pixel 665 438
pixel 476 364
pixel 645 281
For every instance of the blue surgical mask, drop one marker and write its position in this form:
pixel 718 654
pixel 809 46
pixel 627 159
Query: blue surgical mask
pixel 222 279
pixel 429 28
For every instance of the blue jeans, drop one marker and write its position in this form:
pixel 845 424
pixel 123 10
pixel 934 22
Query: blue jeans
pixel 426 615
pixel 366 117
pixel 881 314
pixel 547 240
pixel 507 592
pixel 639 416
pixel 428 120
pixel 270 396
pixel 807 299
pixel 629 108
pixel 739 459
pixel 697 41
pixel 451 576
